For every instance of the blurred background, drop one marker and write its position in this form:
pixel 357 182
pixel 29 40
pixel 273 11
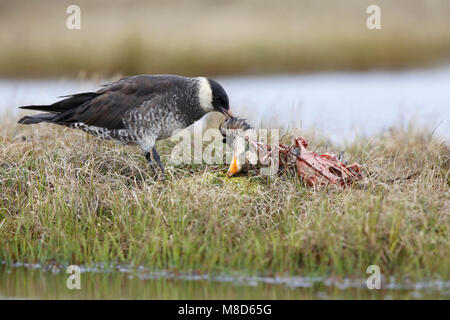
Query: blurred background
pixel 312 62
pixel 215 37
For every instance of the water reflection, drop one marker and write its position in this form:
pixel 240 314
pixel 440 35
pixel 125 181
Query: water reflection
pixel 28 283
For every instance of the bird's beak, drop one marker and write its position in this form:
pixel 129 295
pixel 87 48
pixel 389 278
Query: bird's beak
pixel 227 113
pixel 233 168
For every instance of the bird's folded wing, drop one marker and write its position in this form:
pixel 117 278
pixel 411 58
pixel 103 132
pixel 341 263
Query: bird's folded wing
pixel 110 106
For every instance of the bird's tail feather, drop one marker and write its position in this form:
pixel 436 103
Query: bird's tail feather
pixel 58 108
pixel 39 107
pixel 72 101
pixel 37 118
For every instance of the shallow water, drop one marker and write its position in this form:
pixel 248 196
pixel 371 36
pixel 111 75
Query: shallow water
pixel 339 106
pixel 35 282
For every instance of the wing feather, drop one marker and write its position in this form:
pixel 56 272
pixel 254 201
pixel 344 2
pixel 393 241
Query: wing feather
pixel 111 104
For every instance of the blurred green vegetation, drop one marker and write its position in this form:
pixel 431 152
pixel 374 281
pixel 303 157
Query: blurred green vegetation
pixel 211 37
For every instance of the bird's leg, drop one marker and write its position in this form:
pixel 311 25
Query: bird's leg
pixel 150 163
pixel 157 158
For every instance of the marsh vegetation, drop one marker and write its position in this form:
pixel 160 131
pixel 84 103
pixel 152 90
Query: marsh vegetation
pixel 68 198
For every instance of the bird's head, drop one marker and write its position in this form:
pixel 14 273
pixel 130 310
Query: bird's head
pixel 212 97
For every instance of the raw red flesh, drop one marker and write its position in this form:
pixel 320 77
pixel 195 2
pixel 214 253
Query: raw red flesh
pixel 318 170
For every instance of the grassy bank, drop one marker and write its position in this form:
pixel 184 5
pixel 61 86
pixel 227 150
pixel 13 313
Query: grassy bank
pixel 66 197
pixel 218 38
pixel 131 55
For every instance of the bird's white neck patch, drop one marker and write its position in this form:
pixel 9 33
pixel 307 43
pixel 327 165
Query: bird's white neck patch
pixel 205 94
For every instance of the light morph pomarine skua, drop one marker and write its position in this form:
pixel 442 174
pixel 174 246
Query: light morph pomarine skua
pixel 137 110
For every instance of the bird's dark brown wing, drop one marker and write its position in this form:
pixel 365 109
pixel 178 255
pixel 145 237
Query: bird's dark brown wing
pixel 115 100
